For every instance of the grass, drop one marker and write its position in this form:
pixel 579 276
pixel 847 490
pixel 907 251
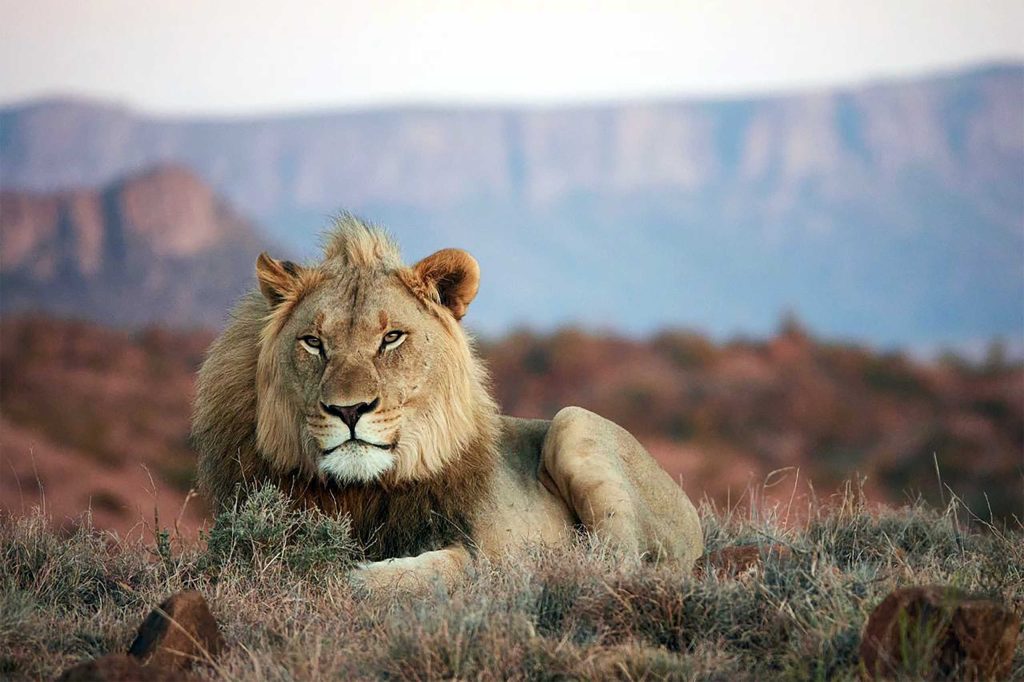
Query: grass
pixel 276 581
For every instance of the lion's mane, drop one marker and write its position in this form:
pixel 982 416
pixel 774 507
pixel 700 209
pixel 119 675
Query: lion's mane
pixel 247 434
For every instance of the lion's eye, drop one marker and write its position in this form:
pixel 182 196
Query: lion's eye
pixel 311 344
pixel 393 339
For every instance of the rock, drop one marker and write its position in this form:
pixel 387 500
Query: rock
pixel 171 638
pixel 176 634
pixel 731 562
pixel 939 632
pixel 116 668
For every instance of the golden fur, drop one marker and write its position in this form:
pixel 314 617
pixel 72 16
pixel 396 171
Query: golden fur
pixel 248 430
pixel 430 471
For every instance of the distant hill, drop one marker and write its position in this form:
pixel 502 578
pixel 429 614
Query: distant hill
pixel 155 247
pixel 890 212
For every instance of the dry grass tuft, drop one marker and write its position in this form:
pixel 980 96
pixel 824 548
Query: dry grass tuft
pixel 276 582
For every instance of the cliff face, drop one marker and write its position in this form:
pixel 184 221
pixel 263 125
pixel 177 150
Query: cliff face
pixel 963 128
pixel 887 212
pixel 155 247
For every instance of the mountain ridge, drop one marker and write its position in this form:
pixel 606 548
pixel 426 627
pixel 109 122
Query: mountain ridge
pixel 980 67
pixel 890 213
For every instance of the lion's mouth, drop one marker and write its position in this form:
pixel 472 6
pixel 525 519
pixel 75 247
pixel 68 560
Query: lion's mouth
pixel 359 441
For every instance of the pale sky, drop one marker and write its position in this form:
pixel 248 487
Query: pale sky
pixel 243 56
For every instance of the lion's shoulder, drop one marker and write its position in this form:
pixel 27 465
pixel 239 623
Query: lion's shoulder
pixel 522 441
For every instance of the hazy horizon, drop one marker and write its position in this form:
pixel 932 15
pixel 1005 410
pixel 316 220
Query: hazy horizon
pixel 229 59
pixel 517 105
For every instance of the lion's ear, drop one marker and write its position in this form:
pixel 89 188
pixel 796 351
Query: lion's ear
pixel 454 275
pixel 279 279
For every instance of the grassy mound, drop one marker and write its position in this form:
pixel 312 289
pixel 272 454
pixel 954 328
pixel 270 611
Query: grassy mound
pixel 276 580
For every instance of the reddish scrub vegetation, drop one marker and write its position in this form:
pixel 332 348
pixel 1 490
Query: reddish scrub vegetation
pixel 98 418
pixel 726 416
pixel 92 413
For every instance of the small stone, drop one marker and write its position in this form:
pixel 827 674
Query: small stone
pixel 731 562
pixel 938 632
pixel 177 634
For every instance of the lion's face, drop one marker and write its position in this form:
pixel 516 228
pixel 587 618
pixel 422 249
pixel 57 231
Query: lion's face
pixel 365 374
pixel 361 355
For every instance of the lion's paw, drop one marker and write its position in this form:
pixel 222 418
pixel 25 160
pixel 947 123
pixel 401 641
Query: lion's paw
pixel 403 574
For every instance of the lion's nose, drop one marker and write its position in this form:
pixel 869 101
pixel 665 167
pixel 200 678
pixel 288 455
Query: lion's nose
pixel 350 414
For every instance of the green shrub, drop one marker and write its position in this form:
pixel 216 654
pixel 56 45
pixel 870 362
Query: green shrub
pixel 264 528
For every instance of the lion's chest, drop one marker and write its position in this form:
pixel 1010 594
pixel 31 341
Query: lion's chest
pixel 399 523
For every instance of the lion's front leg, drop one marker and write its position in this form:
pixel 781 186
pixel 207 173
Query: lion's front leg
pixel 415 573
pixel 617 490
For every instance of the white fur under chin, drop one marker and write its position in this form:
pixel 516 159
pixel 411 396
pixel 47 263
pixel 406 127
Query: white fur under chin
pixel 357 463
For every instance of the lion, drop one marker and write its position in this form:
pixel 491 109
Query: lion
pixel 352 385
